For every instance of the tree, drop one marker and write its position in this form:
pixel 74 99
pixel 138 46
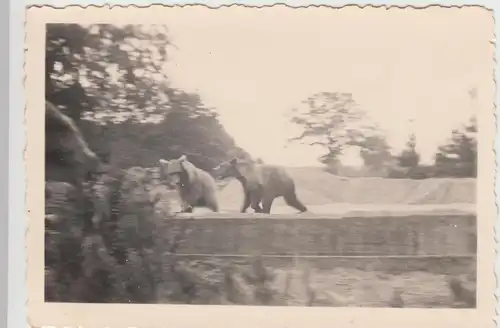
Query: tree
pixel 408 163
pixel 105 239
pixel 110 72
pixel 333 121
pixel 458 157
pixel 376 155
pixel 409 157
pixel 66 148
pixel 109 80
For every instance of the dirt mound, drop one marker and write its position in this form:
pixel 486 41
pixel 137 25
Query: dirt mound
pixel 316 187
pixel 323 192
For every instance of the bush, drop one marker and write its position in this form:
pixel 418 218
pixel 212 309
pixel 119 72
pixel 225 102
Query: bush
pixel 417 173
pixel 123 250
pixel 127 254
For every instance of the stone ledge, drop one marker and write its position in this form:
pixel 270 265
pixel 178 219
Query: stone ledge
pixel 392 235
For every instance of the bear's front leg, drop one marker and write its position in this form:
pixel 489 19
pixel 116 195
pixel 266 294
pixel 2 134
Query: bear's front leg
pixel 186 207
pixel 255 201
pixel 246 202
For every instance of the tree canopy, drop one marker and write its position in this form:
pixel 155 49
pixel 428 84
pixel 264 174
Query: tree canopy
pixel 109 72
pixel 109 104
pixel 109 79
pixel 459 156
pixel 409 157
pixel 335 122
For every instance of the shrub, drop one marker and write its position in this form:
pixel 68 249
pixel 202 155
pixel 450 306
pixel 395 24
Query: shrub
pixel 126 255
pixel 121 249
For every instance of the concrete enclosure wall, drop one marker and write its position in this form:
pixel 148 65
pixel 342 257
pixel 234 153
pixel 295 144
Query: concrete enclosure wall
pixel 442 235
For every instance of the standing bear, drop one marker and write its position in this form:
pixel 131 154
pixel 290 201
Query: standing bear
pixel 261 183
pixel 196 187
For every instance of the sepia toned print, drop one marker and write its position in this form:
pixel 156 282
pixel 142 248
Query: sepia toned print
pixel 208 163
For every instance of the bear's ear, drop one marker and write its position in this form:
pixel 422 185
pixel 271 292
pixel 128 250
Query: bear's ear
pixel 182 158
pixel 163 161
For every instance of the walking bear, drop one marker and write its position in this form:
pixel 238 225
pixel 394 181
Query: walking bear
pixel 196 187
pixel 261 183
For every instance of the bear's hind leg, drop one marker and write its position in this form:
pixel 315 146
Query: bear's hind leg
pixel 292 200
pixel 267 202
pixel 210 202
pixel 212 205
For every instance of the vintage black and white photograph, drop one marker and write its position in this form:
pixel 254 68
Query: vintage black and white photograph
pixel 321 159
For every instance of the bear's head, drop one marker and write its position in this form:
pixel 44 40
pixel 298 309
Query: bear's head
pixel 177 171
pixel 230 169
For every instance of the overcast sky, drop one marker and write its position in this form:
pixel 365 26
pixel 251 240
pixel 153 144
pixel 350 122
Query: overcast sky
pixel 399 65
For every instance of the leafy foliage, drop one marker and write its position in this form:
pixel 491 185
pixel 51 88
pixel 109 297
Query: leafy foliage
pixel 459 156
pixel 334 121
pixel 128 256
pixel 408 163
pixel 107 240
pixel 111 77
pixel 112 73
pixel 409 157
pixel 376 154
